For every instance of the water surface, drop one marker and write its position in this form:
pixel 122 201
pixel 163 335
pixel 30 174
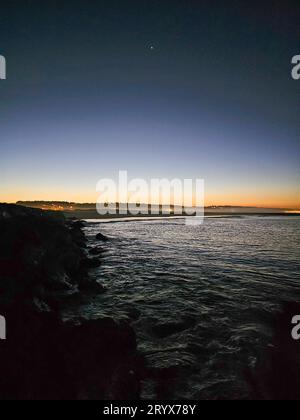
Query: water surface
pixel 199 297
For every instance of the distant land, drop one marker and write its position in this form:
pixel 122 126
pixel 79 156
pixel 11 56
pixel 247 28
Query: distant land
pixel 88 210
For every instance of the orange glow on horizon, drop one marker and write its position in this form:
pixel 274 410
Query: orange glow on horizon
pixel 218 202
pixel 288 199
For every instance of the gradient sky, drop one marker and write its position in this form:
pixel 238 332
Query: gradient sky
pixel 160 88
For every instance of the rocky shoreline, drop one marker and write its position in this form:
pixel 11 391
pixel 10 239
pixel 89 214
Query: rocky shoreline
pixel 44 261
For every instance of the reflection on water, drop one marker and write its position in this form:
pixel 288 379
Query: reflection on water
pixel 199 297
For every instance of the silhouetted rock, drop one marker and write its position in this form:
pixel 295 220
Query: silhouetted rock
pixel 163 330
pixel 90 285
pixel 277 374
pixel 91 263
pixel 101 237
pixel 44 358
pixel 38 252
pixel 42 255
pixel 96 251
pixel 79 224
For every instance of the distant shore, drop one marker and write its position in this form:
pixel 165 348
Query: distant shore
pixel 92 214
pixel 89 210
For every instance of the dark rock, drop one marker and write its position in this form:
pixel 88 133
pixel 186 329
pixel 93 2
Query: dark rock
pixel 276 376
pixel 96 251
pixel 54 360
pixel 163 330
pixel 125 384
pixel 37 252
pixel 43 357
pixel 79 224
pixel 78 236
pixel 40 253
pixel 101 237
pixel 90 285
pixel 91 263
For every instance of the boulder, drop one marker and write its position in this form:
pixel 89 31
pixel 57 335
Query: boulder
pixel 276 375
pixel 96 251
pixel 91 263
pixel 101 237
pixel 78 224
pixel 166 329
pixel 57 360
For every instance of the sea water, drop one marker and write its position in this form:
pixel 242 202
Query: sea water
pixel 201 298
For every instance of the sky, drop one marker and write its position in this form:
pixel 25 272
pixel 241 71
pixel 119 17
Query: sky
pixel 160 88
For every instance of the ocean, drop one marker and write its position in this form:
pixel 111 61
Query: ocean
pixel 200 298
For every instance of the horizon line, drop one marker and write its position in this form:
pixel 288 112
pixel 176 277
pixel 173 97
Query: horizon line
pixel 212 206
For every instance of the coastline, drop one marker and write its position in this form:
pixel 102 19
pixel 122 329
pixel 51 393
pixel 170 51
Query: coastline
pixel 89 211
pixel 93 215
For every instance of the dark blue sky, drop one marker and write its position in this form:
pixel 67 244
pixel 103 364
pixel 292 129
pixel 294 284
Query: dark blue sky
pixel 160 88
